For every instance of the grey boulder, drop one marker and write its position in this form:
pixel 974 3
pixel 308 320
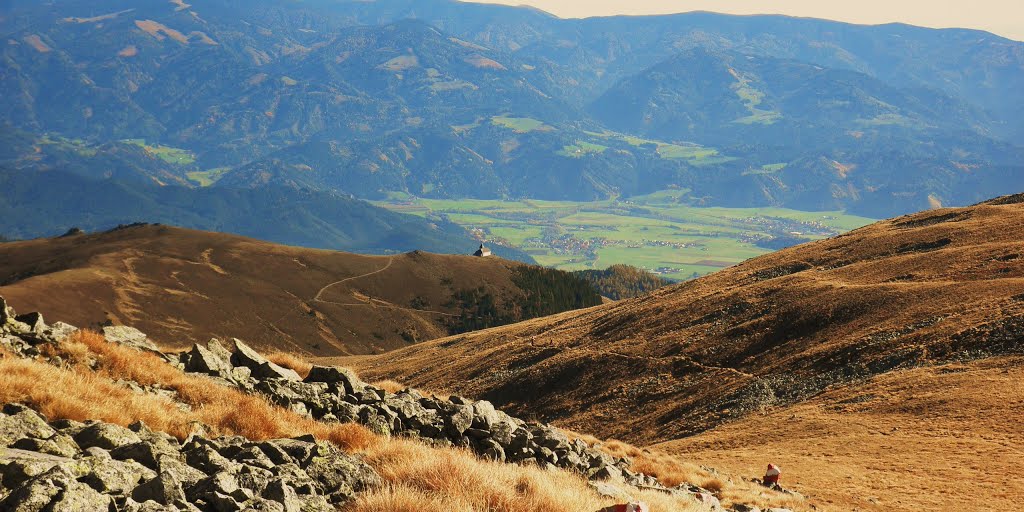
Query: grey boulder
pixel 128 336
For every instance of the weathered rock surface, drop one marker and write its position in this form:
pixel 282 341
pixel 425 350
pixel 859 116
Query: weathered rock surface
pixel 6 311
pixel 113 468
pixel 337 394
pixel 260 366
pixel 129 336
pixel 105 435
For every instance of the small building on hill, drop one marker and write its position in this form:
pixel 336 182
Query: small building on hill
pixel 482 252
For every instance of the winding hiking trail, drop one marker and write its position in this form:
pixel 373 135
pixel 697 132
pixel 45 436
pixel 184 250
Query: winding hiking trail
pixel 372 301
pixel 347 279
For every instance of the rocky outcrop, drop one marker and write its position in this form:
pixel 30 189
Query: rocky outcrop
pixel 334 394
pixel 110 467
pixel 129 336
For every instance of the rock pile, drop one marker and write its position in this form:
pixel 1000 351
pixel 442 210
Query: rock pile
pixel 335 394
pixel 67 465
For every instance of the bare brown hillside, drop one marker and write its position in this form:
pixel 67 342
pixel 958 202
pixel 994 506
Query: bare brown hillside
pixel 182 286
pixel 943 437
pixel 935 287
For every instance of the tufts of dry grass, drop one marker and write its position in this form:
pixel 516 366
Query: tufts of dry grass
pixel 403 498
pixel 78 393
pixel 66 393
pixel 291 361
pixel 671 471
pixel 425 479
pixel 391 386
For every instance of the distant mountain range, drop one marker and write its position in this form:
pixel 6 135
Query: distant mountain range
pixel 445 99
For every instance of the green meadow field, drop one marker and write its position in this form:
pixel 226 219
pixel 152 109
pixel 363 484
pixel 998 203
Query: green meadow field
pixel 655 232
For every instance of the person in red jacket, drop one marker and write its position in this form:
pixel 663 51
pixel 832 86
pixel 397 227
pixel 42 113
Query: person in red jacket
pixel 638 506
pixel 771 477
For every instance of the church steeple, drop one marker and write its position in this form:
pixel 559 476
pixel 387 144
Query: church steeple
pixel 482 252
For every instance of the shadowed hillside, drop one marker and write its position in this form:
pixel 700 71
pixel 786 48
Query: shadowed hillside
pixel 769 332
pixel 879 367
pixel 183 286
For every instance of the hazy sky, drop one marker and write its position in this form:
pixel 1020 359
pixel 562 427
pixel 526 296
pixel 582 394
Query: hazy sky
pixel 1003 17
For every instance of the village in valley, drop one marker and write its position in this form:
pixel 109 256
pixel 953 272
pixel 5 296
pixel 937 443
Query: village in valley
pixel 658 233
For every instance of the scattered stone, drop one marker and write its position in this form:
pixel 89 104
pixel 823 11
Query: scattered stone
pixel 204 360
pixel 34 321
pixel 335 375
pixel 59 331
pixel 484 415
pixel 241 375
pixel 56 490
pixel 19 466
pixel 18 421
pixel 165 489
pixel 633 506
pixel 609 473
pixel 217 347
pixel 341 476
pixel 261 367
pixel 57 444
pixel 6 312
pixel 128 336
pixel 745 508
pixel 146 453
pixel 337 394
pixel 283 493
pixel 300 450
pixel 109 476
pixel 608 490
pixel 107 436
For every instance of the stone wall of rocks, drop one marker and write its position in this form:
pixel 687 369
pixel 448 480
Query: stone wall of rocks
pixel 71 466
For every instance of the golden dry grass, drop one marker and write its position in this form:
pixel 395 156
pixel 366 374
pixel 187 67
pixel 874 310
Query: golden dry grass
pixel 426 480
pixel 391 386
pixel 291 361
pixel 65 393
pixel 75 392
pixel 939 438
pixel 671 471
